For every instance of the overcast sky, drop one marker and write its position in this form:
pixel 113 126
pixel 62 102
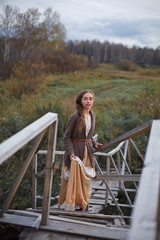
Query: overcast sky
pixel 130 22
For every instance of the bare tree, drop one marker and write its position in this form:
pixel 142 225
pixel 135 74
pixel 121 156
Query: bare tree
pixel 27 31
pixel 7 28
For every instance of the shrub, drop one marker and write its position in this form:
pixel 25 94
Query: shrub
pixel 5 70
pixel 126 65
pixel 26 78
pixel 63 62
pixel 149 73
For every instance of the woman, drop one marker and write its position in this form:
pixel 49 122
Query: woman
pixel 79 164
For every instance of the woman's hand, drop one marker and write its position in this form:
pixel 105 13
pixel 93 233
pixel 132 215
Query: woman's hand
pixel 97 145
pixel 72 156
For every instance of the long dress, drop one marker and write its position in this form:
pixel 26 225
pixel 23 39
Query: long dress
pixel 76 182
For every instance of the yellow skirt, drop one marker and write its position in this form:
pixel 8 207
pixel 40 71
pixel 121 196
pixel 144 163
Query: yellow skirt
pixel 76 184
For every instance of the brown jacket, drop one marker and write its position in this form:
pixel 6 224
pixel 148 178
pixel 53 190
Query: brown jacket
pixel 77 148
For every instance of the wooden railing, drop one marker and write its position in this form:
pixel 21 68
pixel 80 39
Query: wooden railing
pixel 122 172
pixel 39 128
pixel 146 215
pixel 118 159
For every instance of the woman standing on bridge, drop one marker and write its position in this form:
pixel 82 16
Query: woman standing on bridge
pixel 79 164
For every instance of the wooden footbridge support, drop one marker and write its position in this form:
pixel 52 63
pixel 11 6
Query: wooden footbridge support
pixel 49 222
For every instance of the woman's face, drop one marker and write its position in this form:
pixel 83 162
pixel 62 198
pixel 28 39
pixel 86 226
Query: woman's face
pixel 87 101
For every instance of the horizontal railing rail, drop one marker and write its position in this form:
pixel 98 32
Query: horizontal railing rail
pixel 135 132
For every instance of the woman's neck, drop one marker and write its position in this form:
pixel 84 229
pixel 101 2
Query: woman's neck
pixel 86 112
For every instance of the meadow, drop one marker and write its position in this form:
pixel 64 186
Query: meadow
pixel 124 100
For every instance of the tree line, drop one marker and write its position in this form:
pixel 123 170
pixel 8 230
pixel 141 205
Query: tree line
pixel 107 52
pixel 39 39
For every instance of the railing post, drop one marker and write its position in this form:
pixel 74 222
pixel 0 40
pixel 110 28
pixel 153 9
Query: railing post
pixel 49 172
pixel 119 167
pixel 108 166
pixel 21 173
pixel 34 182
pixel 129 154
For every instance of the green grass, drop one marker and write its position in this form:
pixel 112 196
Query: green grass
pixel 124 100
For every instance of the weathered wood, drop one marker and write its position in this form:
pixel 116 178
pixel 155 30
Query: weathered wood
pixel 115 150
pixel 123 205
pixel 136 131
pixel 122 183
pixel 108 168
pixel 113 189
pixel 78 214
pixel 56 152
pixel 17 141
pixel 119 166
pixel 116 177
pixel 22 172
pixel 55 167
pixel 48 235
pixel 144 224
pixel 126 164
pixel 124 155
pixel 49 173
pixel 76 221
pixel 105 222
pixel 136 148
pixel 99 232
pixel 107 185
pixel 20 220
pixel 34 182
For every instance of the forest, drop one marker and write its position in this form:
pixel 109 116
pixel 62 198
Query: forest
pixel 40 72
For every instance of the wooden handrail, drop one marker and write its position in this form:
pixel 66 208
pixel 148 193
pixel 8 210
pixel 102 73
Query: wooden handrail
pixel 18 140
pixel 145 223
pixel 38 128
pixel 134 132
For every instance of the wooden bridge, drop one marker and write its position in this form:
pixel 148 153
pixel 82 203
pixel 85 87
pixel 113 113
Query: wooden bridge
pixel 113 172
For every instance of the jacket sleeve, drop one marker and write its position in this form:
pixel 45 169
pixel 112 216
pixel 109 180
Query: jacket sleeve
pixel 68 135
pixel 93 142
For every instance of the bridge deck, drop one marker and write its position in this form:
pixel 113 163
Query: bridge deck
pixel 66 225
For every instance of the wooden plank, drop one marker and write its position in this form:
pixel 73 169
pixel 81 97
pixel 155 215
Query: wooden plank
pixel 116 177
pixel 21 173
pixel 136 131
pixel 102 188
pixel 123 205
pixel 56 152
pixel 78 214
pixel 145 215
pixel 75 221
pixel 48 235
pixel 17 141
pixel 99 232
pixel 97 202
pixel 26 221
pixel 49 173
pixel 94 209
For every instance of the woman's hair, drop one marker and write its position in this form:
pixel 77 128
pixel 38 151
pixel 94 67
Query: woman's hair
pixel 79 107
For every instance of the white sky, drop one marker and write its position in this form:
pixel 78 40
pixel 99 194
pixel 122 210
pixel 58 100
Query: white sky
pixel 130 22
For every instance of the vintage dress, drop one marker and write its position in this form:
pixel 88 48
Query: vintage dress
pixel 76 182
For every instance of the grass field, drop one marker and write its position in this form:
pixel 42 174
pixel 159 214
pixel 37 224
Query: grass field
pixel 124 100
pixel 120 96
